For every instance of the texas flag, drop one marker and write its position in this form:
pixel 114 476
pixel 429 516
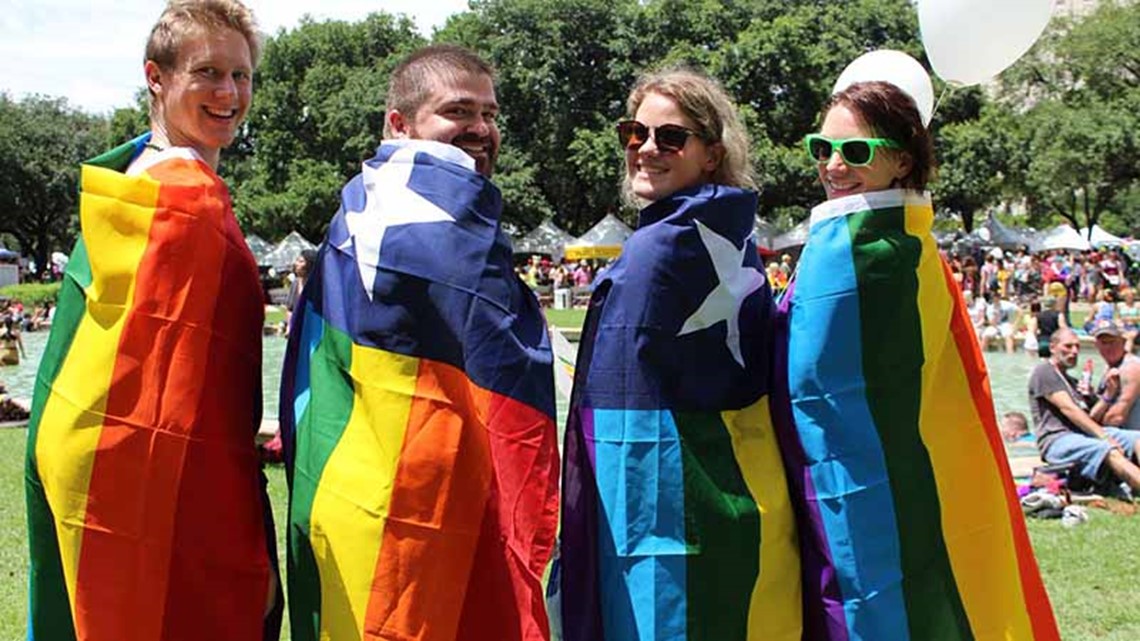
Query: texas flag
pixel 417 409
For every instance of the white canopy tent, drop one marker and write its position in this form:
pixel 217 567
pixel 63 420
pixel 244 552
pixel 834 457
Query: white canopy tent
pixel 603 240
pixel 1101 238
pixel 287 251
pixel 546 238
pixel 259 247
pixel 765 233
pixel 794 237
pixel 1062 237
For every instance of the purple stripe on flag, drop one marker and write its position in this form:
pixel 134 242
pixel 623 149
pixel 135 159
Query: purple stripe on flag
pixel 581 605
pixel 824 617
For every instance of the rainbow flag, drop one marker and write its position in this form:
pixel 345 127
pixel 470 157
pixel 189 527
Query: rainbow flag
pixel 676 520
pixel 145 504
pixel 911 528
pixel 417 414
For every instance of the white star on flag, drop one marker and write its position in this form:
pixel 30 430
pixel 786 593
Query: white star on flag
pixel 388 202
pixel 734 283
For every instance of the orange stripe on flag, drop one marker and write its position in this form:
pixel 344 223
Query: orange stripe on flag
pixel 175 547
pixel 437 507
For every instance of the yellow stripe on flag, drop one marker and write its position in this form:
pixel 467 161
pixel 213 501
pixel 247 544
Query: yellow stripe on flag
pixel 115 214
pixel 775 613
pixel 975 517
pixel 352 501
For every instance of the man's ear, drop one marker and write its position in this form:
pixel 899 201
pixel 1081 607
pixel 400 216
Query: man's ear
pixel 396 125
pixel 153 75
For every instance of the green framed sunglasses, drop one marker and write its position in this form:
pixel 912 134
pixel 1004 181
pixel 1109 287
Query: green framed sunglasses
pixel 855 152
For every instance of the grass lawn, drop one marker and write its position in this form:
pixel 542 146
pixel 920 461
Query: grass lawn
pixel 565 317
pixel 1090 571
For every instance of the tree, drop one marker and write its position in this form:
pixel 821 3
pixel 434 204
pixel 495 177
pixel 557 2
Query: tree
pixel 1079 92
pixel 317 113
pixel 42 143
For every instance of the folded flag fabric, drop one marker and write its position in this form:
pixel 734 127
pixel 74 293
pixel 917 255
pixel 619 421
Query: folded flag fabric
pixel 676 521
pixel 912 529
pixel 145 507
pixel 417 411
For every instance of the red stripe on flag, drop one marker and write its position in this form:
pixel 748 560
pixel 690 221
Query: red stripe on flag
pixel 473 518
pixel 176 546
pixel 1037 600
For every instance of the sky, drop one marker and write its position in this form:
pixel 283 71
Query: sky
pixel 90 51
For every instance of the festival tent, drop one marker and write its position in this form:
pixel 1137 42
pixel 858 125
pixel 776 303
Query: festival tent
pixel 1061 237
pixel 794 237
pixel 287 251
pixel 996 234
pixel 259 247
pixel 546 238
pixel 1100 238
pixel 603 240
pixel 765 233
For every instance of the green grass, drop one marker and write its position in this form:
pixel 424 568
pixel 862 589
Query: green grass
pixel 274 315
pixel 32 294
pixel 565 317
pixel 1090 571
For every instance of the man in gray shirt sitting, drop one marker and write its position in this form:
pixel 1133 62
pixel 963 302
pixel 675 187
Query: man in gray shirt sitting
pixel 1067 418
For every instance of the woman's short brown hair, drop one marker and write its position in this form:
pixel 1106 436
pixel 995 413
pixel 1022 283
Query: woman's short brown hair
pixel 891 113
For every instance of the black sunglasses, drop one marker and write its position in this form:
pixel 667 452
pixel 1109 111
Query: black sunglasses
pixel 669 138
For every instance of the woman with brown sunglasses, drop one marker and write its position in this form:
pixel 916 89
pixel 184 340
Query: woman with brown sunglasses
pixel 670 456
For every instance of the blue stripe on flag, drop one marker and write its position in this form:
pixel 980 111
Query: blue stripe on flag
pixel 847 466
pixel 641 490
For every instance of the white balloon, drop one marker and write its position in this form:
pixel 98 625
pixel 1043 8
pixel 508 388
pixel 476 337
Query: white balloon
pixel 897 68
pixel 971 41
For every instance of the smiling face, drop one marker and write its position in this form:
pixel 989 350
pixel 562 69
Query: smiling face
pixel 202 99
pixel 459 111
pixel 654 174
pixel 840 179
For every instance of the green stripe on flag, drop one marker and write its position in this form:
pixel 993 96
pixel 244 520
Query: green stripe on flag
pixel 886 262
pixel 50 607
pixel 318 432
pixel 722 525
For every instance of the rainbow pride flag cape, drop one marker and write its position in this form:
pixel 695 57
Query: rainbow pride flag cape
pixel 417 415
pixel 911 528
pixel 145 503
pixel 676 520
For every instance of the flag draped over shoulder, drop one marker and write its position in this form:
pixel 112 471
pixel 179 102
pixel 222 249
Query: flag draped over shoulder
pixel 417 411
pixel 676 521
pixel 912 529
pixel 144 498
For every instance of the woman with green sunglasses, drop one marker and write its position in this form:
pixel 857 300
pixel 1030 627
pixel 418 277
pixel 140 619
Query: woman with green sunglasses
pixel 871 139
pixel 889 433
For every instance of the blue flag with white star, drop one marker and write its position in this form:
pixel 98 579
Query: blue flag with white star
pixel 417 413
pixel 676 522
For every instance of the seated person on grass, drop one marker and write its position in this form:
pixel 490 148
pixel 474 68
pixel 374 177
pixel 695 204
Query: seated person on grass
pixel 1070 423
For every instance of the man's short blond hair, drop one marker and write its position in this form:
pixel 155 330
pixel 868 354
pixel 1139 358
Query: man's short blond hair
pixel 185 18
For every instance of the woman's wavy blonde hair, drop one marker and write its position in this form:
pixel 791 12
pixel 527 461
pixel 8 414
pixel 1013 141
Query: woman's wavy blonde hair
pixel 717 121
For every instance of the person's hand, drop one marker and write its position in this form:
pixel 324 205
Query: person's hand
pixel 1112 382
